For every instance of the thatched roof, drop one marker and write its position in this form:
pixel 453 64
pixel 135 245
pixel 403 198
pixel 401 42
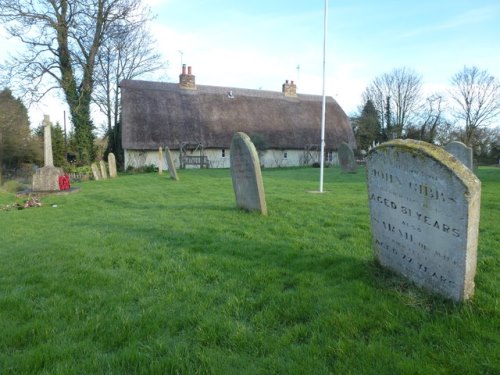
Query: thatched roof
pixel 158 114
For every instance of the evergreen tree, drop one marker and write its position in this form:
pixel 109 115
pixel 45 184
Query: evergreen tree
pixel 369 128
pixel 115 145
pixel 15 135
pixel 58 149
pixel 388 119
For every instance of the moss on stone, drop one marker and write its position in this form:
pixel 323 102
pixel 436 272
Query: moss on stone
pixel 424 149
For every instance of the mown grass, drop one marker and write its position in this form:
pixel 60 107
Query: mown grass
pixel 144 275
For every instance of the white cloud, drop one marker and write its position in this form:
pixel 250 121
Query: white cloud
pixel 462 20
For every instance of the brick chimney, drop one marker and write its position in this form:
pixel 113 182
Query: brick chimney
pixel 289 89
pixel 187 81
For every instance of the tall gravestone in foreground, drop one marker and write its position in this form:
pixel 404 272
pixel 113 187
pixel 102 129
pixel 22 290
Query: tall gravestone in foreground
pixel 160 161
pixel 461 152
pixel 347 160
pixel 424 208
pixel 246 175
pixel 112 165
pixel 171 166
pixel 47 177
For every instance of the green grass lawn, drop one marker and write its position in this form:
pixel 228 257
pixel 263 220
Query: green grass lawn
pixel 142 274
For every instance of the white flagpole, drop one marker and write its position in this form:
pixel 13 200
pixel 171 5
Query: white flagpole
pixel 322 154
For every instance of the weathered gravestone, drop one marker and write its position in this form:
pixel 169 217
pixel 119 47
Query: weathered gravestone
pixel 424 208
pixel 171 165
pixel 346 159
pixel 95 171
pixel 112 165
pixel 160 161
pixel 104 174
pixel 461 152
pixel 246 175
pixel 47 177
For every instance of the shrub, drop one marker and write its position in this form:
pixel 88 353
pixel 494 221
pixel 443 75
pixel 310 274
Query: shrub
pixel 82 169
pixel 149 168
pixel 144 169
pixel 13 186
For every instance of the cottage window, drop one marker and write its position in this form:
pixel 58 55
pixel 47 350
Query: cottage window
pixel 285 155
pixel 223 152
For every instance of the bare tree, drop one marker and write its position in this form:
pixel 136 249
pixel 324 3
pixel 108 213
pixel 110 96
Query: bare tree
pixel 62 40
pixel 432 119
pixel 127 54
pixel 476 95
pixel 397 97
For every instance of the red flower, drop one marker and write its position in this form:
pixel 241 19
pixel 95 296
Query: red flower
pixel 64 183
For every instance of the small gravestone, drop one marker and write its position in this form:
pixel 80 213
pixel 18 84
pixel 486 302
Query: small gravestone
pixel 47 177
pixel 171 165
pixel 346 159
pixel 160 161
pixel 104 174
pixel 424 209
pixel 95 171
pixel 461 152
pixel 112 165
pixel 246 175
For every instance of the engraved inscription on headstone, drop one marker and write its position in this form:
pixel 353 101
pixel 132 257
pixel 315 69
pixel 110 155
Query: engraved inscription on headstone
pixel 246 175
pixel 424 211
pixel 160 161
pixel 95 171
pixel 346 159
pixel 461 152
pixel 112 165
pixel 104 174
pixel 171 165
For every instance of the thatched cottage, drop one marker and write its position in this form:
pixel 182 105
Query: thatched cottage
pixel 197 123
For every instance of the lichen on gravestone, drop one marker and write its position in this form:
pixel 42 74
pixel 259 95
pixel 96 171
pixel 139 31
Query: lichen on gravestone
pixel 424 213
pixel 246 174
pixel 170 164
pixel 347 160
pixel 112 165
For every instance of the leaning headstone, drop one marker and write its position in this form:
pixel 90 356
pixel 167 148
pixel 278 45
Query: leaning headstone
pixel 171 165
pixel 346 159
pixel 95 171
pixel 160 161
pixel 461 152
pixel 104 174
pixel 112 165
pixel 246 175
pixel 47 177
pixel 424 211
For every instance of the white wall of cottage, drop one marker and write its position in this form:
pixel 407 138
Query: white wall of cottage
pixel 220 158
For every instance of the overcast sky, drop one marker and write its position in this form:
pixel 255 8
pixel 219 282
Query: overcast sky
pixel 259 44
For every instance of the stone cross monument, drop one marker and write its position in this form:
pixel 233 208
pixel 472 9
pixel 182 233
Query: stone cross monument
pixel 47 178
pixel 47 142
